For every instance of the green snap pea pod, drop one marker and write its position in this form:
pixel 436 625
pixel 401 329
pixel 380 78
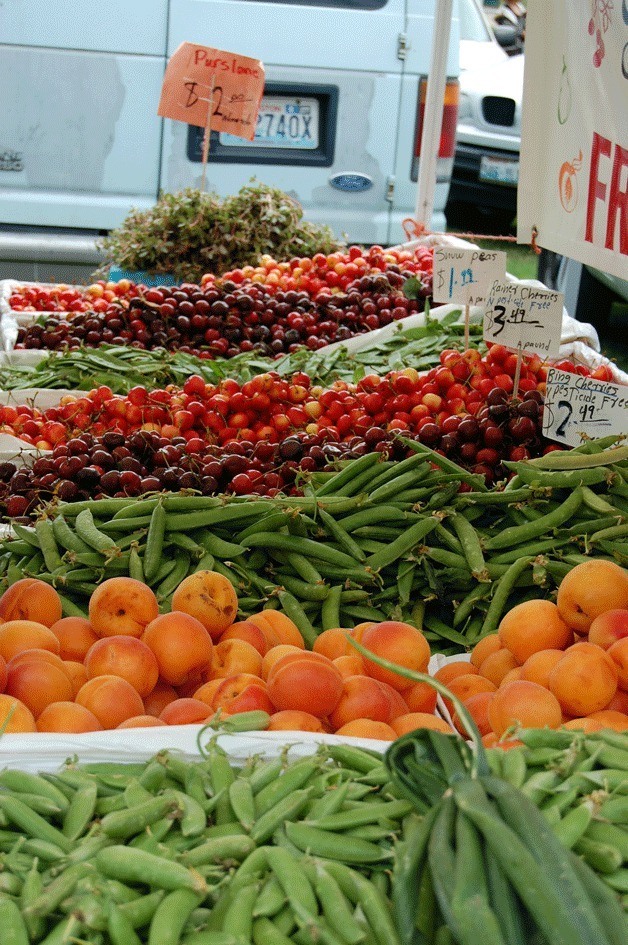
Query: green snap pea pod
pixel 330 802
pixel 219 850
pixel 330 611
pixel 372 515
pixel 224 515
pixel 154 542
pixel 188 543
pixel 350 472
pixel 87 530
pixel 401 545
pixel 242 802
pixel 264 774
pixel 610 534
pixel 25 782
pixel 470 543
pixel 66 537
pixel 362 613
pixel 501 593
pixel 448 558
pixel 410 854
pixel 573 459
pixel 303 568
pixel 14 931
pixel 10 884
pixel 558 480
pixel 127 823
pixel 193 819
pixel 29 535
pixel 366 813
pixel 206 563
pixel 342 537
pixel 70 608
pixel 573 825
pixel 48 544
pixel 49 852
pixel 266 932
pixel 31 889
pixel 270 900
pixel 19 547
pixel 177 574
pixel 272 522
pixel 238 919
pixel 400 482
pixel 171 916
pixel 591 526
pixel 32 823
pixel 394 470
pixel 305 546
pixel 372 903
pixel 606 904
pixel 313 928
pixel 80 812
pixel 609 756
pixel 131 865
pixel 529 548
pixel 514 767
pixel 517 534
pixel 292 878
pixel 136 566
pixel 301 590
pixel 120 928
pixel 210 937
pixel 610 834
pixel 133 525
pixel 56 891
pixel 293 609
pixel 540 784
pixel 329 845
pixel 618 880
pixel 597 503
pixel 467 605
pixel 473 915
pixel 359 759
pixel 222 777
pixel 602 857
pixel 140 911
pixel 218 547
pixel 286 809
pixel 292 779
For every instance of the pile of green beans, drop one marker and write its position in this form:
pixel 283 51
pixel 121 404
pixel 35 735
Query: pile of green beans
pixel 176 852
pixel 374 541
pixel 483 864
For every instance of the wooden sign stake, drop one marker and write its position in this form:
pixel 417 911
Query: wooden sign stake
pixel 467 315
pixel 515 389
pixel 207 135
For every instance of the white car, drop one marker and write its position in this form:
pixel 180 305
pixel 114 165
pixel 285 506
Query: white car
pixel 488 136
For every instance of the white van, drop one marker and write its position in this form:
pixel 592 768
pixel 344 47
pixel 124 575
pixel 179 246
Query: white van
pixel 81 142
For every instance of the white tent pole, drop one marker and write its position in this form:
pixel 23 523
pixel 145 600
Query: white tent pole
pixel 433 114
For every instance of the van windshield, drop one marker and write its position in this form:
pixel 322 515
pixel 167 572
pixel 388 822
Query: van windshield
pixel 472 23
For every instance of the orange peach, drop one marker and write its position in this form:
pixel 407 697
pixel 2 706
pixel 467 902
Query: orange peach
pixel 497 665
pixel 77 673
pixel 3 673
pixel 586 724
pixel 590 589
pixel 466 686
pixel 242 692
pixel 75 635
pixel 367 728
pixel 400 643
pixel 523 703
pixel 181 644
pixel 111 699
pixel 69 717
pixel 484 647
pixel 127 657
pixel 141 721
pixel 235 656
pixel 185 712
pixel 415 720
pixel 609 627
pixel 477 707
pixel 162 694
pixel 456 668
pixel 610 719
pixel 38 683
pixel 249 632
pixel 334 643
pixel 276 623
pixel 349 665
pixel 361 698
pixel 122 605
pixel 538 666
pixel 308 682
pixel 421 697
pixel 618 652
pixel 292 720
pixel 584 680
pixel 19 635
pixel 208 690
pixel 511 675
pixel 619 702
pixel 15 716
pixel 532 626
pixel 30 599
pixel 274 654
pixel 398 703
pixel 209 598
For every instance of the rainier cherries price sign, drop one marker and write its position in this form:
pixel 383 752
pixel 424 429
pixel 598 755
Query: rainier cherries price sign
pixel 576 405
pixel 524 318
pixel 213 89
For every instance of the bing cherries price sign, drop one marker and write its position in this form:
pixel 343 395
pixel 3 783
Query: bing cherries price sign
pixel 524 318
pixel 576 405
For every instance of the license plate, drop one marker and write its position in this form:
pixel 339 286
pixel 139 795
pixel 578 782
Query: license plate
pixel 499 170
pixel 282 122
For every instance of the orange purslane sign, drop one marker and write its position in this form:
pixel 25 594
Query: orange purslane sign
pixel 205 86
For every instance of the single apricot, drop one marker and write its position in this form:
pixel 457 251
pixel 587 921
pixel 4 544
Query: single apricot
pixel 511 676
pixel 122 605
pixel 185 712
pixel 618 652
pixel 141 721
pixel 30 599
pixel 526 704
pixel 235 656
pixel 477 707
pixel 208 690
pixel 584 680
pixel 292 720
pixel 75 635
pixel 209 598
pixel 420 697
pixel 586 724
pixel 127 657
pixel 618 721
pixel 590 589
pixel 182 645
pixel 242 692
pixel 497 665
pixel 349 665
pixel 361 698
pixel 15 716
pixel 3 673
pixel 37 684
pixel 466 686
pixel 538 667
pixel 484 647
pixel 77 673
pixel 415 720
pixel 619 702
pixel 249 632
pixel 401 644
pixel 367 728
pixel 608 628
pixel 334 643
pixel 68 717
pixel 111 699
pixel 37 655
pixel 532 626
pixel 276 653
pixel 457 668
pixel 280 625
pixel 310 682
pixel 19 635
pixel 163 694
pixel 398 703
pixel 358 631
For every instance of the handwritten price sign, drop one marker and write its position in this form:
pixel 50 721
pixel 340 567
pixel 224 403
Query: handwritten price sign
pixel 524 318
pixel 199 80
pixel 464 276
pixel 576 405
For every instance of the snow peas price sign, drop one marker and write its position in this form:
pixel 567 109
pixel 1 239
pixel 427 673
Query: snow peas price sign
pixel 464 276
pixel 576 405
pixel 524 319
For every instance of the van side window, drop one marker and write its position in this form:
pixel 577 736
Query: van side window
pixel 346 4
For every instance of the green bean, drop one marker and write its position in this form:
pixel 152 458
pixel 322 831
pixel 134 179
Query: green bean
pixel 154 542
pixel 177 574
pixel 120 928
pixel 266 932
pixel 331 846
pixel 404 543
pixel 519 533
pixel 171 916
pixel 14 931
pixel 32 823
pixel 80 811
pixel 286 809
pixel 373 905
pixel 292 878
pixel 501 593
pixel 129 864
pixel 349 473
